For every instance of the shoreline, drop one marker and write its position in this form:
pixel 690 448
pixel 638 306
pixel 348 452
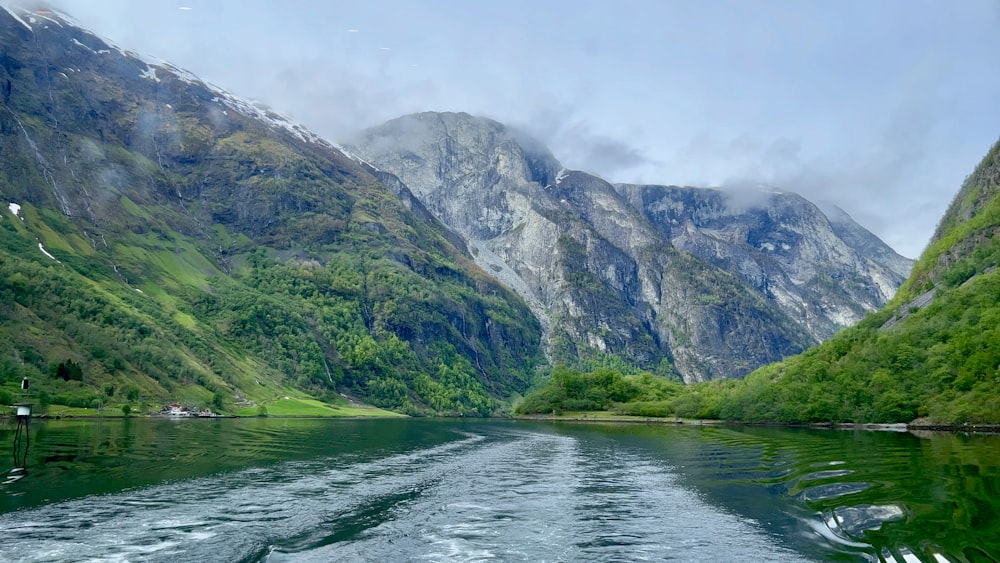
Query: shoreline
pixel 913 427
pixel 168 417
pixel 875 427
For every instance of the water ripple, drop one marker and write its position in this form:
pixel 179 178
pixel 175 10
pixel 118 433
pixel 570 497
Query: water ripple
pixel 477 491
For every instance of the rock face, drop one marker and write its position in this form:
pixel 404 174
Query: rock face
pixel 930 357
pixel 822 269
pixel 672 279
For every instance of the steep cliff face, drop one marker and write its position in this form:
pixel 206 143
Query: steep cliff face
pixel 822 269
pixel 652 274
pixel 599 275
pixel 508 202
pixel 932 353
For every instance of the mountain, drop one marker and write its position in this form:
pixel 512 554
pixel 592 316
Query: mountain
pixel 163 239
pixel 931 355
pixel 817 265
pixel 680 280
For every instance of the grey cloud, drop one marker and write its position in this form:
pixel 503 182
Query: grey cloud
pixel 577 144
pixel 742 161
pixel 335 102
pixel 885 184
pixel 588 150
pixel 407 132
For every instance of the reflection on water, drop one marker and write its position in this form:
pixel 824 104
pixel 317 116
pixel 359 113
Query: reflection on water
pixel 873 495
pixel 321 490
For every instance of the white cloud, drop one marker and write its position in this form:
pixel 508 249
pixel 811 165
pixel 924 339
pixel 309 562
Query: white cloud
pixel 881 108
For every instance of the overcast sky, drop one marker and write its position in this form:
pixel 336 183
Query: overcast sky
pixel 879 106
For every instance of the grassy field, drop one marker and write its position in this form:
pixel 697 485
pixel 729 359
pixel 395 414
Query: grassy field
pixel 608 416
pixel 291 406
pixel 283 406
pixel 61 410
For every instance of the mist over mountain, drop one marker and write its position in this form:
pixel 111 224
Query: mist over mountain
pixel 827 273
pixel 167 240
pixel 929 357
pixel 172 239
pixel 656 275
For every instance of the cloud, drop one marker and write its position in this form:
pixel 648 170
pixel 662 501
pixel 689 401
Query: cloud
pixel 888 183
pixel 742 160
pixel 408 131
pixel 583 148
pixel 886 180
pixel 578 145
pixel 874 107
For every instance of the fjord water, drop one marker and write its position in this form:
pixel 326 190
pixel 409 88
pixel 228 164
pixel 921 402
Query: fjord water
pixel 443 490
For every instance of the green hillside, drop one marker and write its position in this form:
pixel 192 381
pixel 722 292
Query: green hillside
pixel 933 353
pixel 175 243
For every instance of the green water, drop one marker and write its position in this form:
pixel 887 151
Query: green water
pixel 445 490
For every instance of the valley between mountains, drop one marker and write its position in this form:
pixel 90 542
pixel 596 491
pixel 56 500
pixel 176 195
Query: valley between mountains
pixel 164 240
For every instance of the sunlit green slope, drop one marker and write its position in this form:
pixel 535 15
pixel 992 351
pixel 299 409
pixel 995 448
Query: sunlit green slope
pixel 170 242
pixel 933 352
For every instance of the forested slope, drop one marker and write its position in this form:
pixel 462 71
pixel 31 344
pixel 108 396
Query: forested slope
pixel 161 239
pixel 932 354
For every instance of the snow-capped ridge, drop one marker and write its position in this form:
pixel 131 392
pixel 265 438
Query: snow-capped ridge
pixel 39 15
pixel 249 108
pixel 18 18
pixel 157 69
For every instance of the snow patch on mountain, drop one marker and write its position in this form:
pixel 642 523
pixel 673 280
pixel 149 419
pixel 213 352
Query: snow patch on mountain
pixel 149 74
pixel 46 252
pixel 78 44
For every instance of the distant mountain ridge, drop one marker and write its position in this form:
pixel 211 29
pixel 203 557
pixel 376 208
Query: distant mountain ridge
pixel 931 356
pixel 825 273
pixel 176 241
pixel 653 274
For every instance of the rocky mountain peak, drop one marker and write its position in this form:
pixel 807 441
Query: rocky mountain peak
pixel 713 282
pixel 827 273
pixel 464 142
